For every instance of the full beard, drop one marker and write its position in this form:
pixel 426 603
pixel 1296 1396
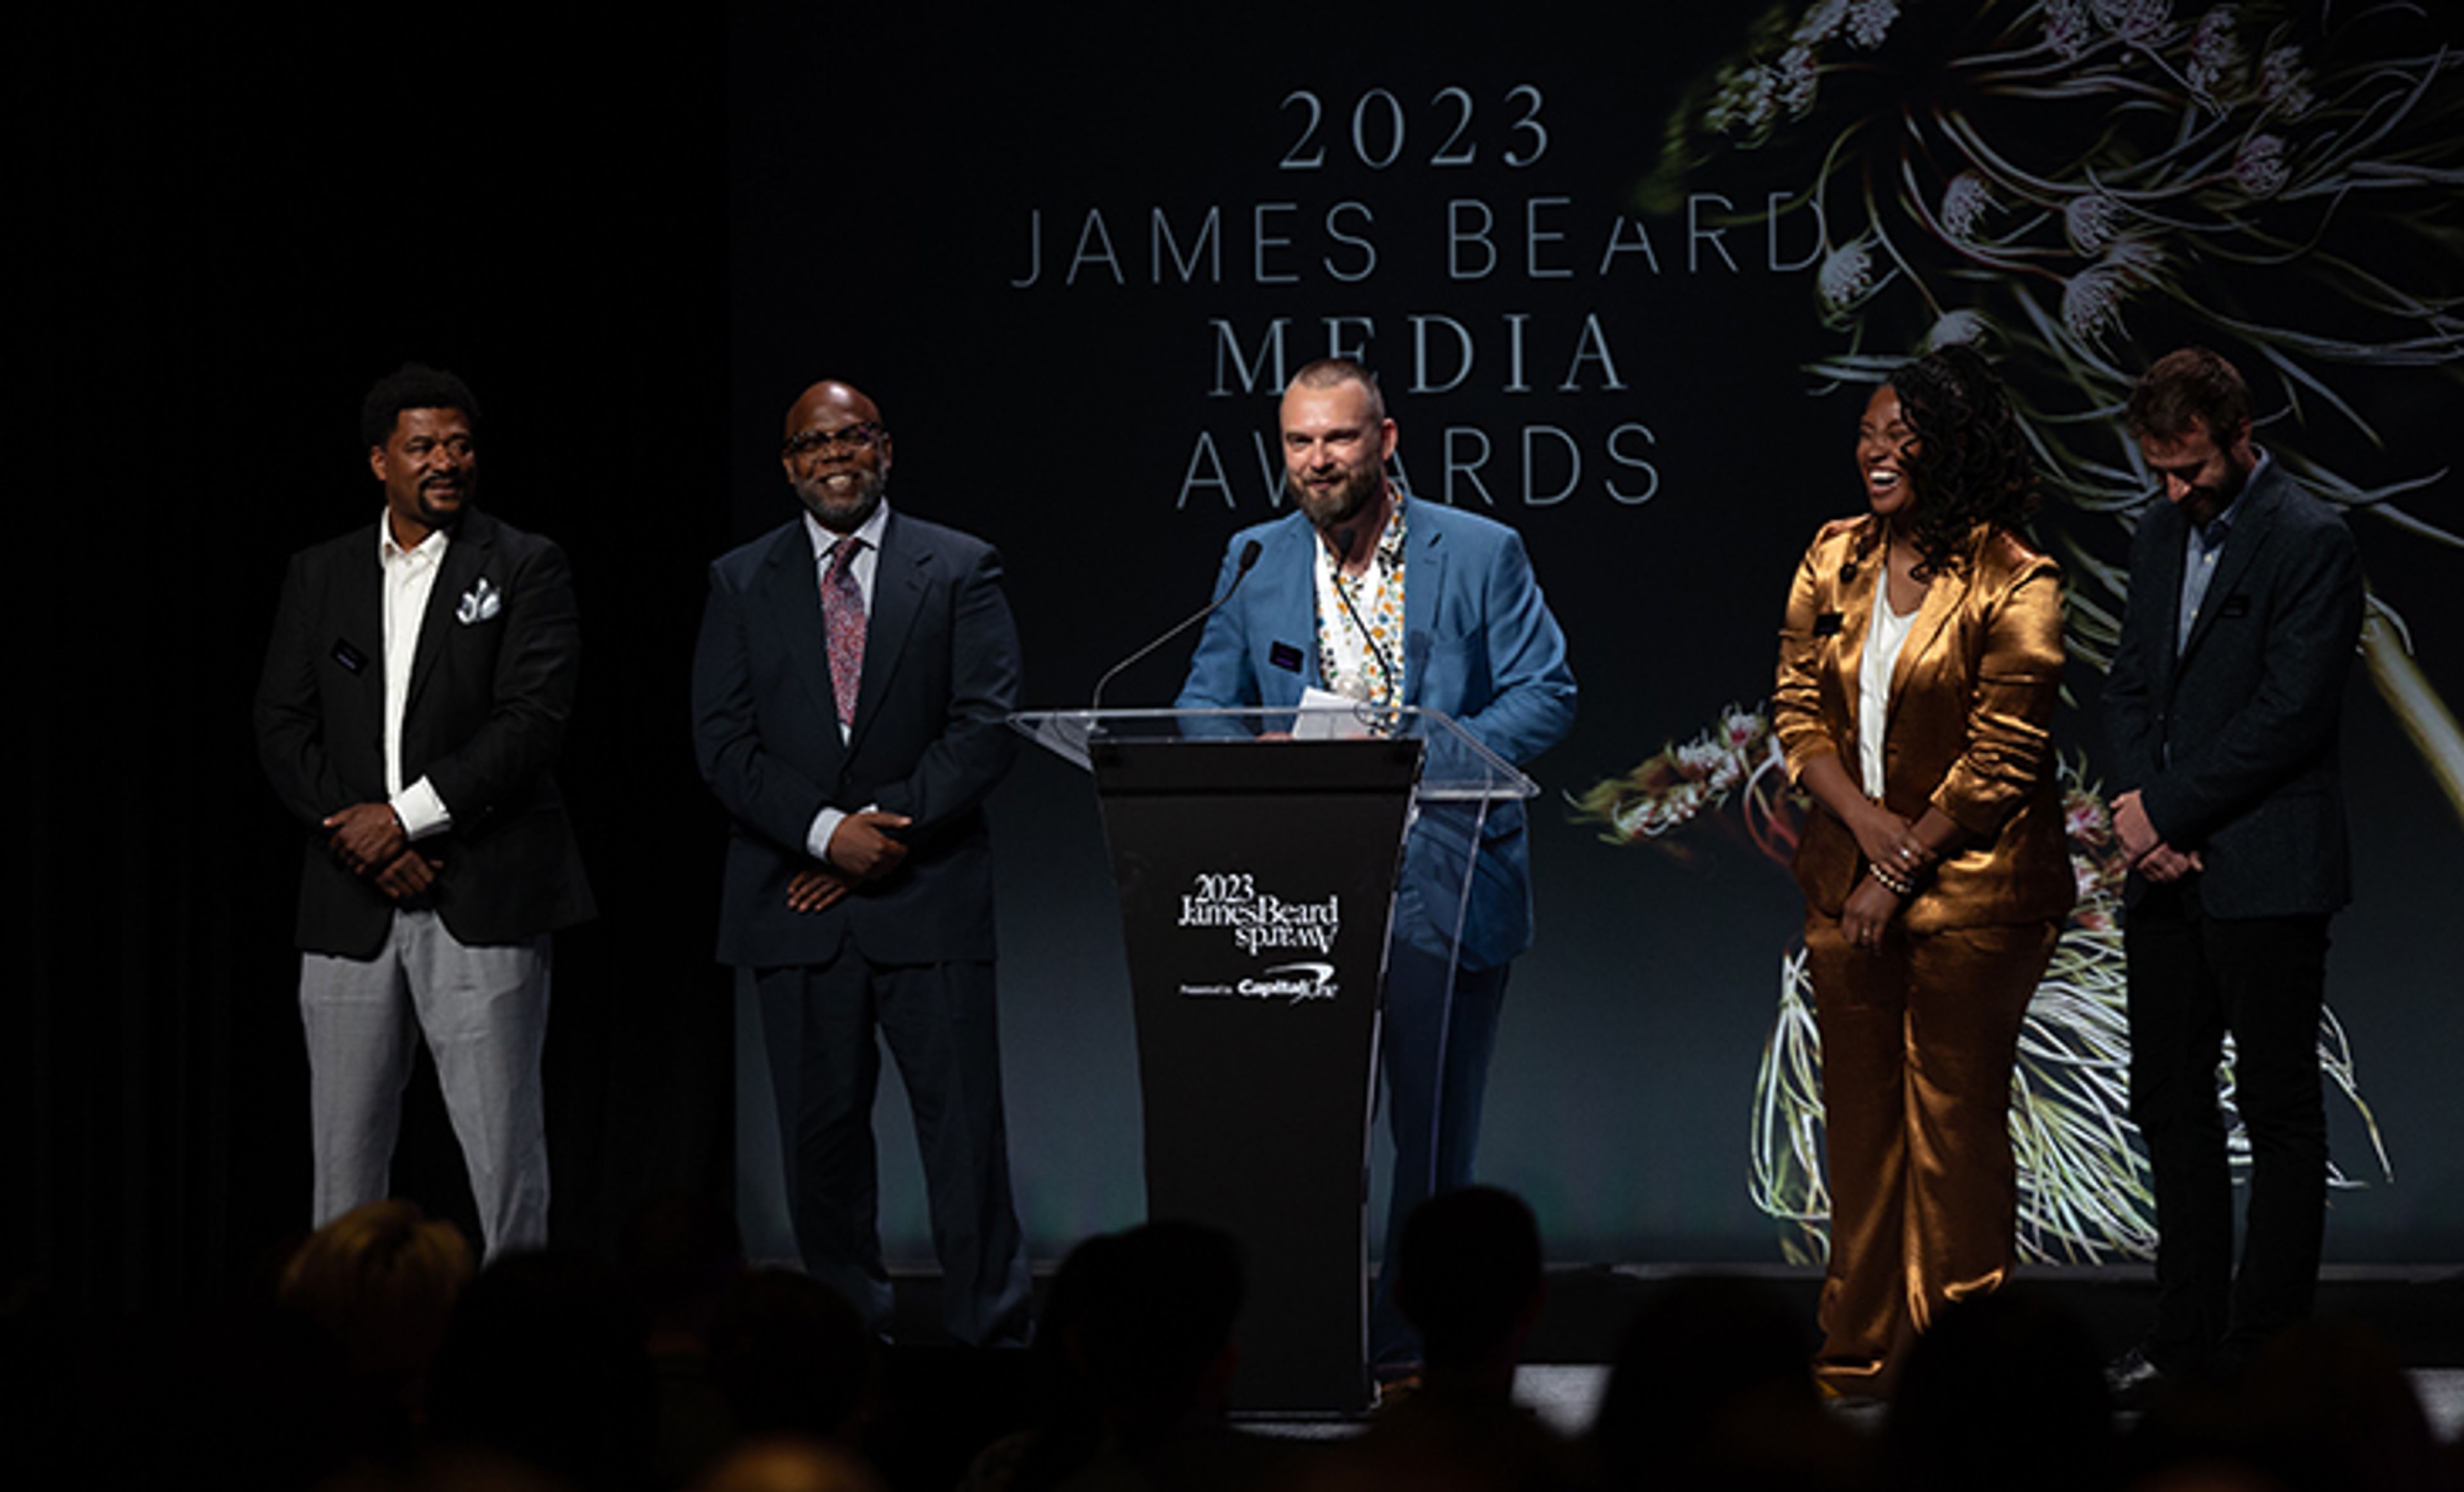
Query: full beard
pixel 1339 504
pixel 841 510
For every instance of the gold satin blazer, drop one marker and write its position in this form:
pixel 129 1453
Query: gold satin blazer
pixel 1970 701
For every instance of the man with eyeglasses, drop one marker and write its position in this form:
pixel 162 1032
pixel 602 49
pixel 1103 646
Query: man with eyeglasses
pixel 414 694
pixel 851 688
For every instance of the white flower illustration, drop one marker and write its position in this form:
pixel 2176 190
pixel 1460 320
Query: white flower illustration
pixel 1869 21
pixel 1821 22
pixel 2215 52
pixel 1954 329
pixel 1796 80
pixel 1847 276
pixel 2090 220
pixel 2259 166
pixel 2140 21
pixel 1963 201
pixel 2285 83
pixel 2092 305
pixel 2066 29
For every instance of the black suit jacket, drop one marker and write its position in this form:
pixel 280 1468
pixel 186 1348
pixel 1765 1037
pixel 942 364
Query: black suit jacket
pixel 930 740
pixel 2233 743
pixel 486 713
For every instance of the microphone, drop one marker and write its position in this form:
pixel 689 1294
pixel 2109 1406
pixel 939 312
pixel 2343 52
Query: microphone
pixel 1249 553
pixel 1343 542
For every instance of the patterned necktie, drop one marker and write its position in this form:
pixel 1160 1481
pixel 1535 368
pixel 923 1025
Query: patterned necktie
pixel 842 622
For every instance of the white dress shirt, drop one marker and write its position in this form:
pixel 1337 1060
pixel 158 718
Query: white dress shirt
pixel 1884 636
pixel 410 576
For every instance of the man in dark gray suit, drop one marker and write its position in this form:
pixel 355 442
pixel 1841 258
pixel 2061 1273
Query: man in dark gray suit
pixel 2223 707
pixel 851 689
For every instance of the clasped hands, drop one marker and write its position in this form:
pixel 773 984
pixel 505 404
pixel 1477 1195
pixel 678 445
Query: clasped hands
pixel 369 840
pixel 860 851
pixel 2149 855
pixel 1889 841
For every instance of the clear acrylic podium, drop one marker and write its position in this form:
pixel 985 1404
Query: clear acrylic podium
pixel 1259 857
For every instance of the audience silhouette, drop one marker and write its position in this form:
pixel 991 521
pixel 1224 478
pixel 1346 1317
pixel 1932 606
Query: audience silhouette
pixel 374 1360
pixel 1712 1389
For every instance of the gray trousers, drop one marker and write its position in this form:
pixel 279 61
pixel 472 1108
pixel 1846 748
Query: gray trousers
pixel 483 1011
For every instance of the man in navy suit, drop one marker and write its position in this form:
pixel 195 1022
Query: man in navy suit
pixel 414 693
pixel 1444 615
pixel 2223 706
pixel 851 689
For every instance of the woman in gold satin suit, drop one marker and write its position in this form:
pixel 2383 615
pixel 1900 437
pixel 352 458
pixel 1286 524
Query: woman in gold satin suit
pixel 1917 670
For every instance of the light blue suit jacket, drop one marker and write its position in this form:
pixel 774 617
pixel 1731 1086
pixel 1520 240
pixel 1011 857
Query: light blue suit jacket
pixel 1479 645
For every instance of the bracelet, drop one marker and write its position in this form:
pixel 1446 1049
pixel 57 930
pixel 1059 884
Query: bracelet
pixel 1892 881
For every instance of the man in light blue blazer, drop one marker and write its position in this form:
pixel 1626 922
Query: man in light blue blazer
pixel 1370 594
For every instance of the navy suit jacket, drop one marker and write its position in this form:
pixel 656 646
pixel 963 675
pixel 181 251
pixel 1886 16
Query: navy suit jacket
pixel 489 699
pixel 2233 743
pixel 1479 645
pixel 930 740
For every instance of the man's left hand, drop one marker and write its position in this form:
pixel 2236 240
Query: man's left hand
pixel 366 836
pixel 860 850
pixel 2165 864
pixel 2136 830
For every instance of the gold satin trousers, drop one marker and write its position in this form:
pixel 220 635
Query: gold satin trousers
pixel 1919 1037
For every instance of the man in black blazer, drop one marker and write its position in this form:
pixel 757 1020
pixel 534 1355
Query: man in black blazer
pixel 414 693
pixel 851 689
pixel 2223 706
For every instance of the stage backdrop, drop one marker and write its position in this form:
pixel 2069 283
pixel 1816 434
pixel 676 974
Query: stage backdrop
pixel 1628 283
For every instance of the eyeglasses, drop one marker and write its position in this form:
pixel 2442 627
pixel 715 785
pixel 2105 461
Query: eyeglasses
pixel 846 437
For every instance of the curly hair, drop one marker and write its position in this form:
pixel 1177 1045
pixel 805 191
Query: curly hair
pixel 413 386
pixel 1971 464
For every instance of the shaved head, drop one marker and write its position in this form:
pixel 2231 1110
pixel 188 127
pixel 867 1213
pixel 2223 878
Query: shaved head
pixel 814 408
pixel 836 455
pixel 1335 373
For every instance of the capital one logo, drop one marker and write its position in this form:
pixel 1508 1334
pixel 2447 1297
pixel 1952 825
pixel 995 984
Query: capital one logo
pixel 1292 982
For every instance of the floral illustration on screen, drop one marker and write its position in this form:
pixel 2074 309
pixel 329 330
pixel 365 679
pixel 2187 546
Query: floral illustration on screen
pixel 2074 186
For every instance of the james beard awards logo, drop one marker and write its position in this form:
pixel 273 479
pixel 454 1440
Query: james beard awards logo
pixel 1260 924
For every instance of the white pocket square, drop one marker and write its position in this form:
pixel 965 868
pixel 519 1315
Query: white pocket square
pixel 479 603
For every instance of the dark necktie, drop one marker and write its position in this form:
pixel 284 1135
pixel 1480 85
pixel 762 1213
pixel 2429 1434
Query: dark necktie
pixel 842 622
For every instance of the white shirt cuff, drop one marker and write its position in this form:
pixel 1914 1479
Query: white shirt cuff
pixel 421 811
pixel 817 838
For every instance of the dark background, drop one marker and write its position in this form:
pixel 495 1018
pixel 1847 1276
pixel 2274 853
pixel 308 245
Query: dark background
pixel 638 240
pixel 243 222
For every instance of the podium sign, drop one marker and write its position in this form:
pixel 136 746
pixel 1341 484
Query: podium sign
pixel 1255 882
pixel 1257 875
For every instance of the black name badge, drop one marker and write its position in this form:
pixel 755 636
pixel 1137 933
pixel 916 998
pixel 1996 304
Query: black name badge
pixel 348 656
pixel 1285 656
pixel 1827 625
